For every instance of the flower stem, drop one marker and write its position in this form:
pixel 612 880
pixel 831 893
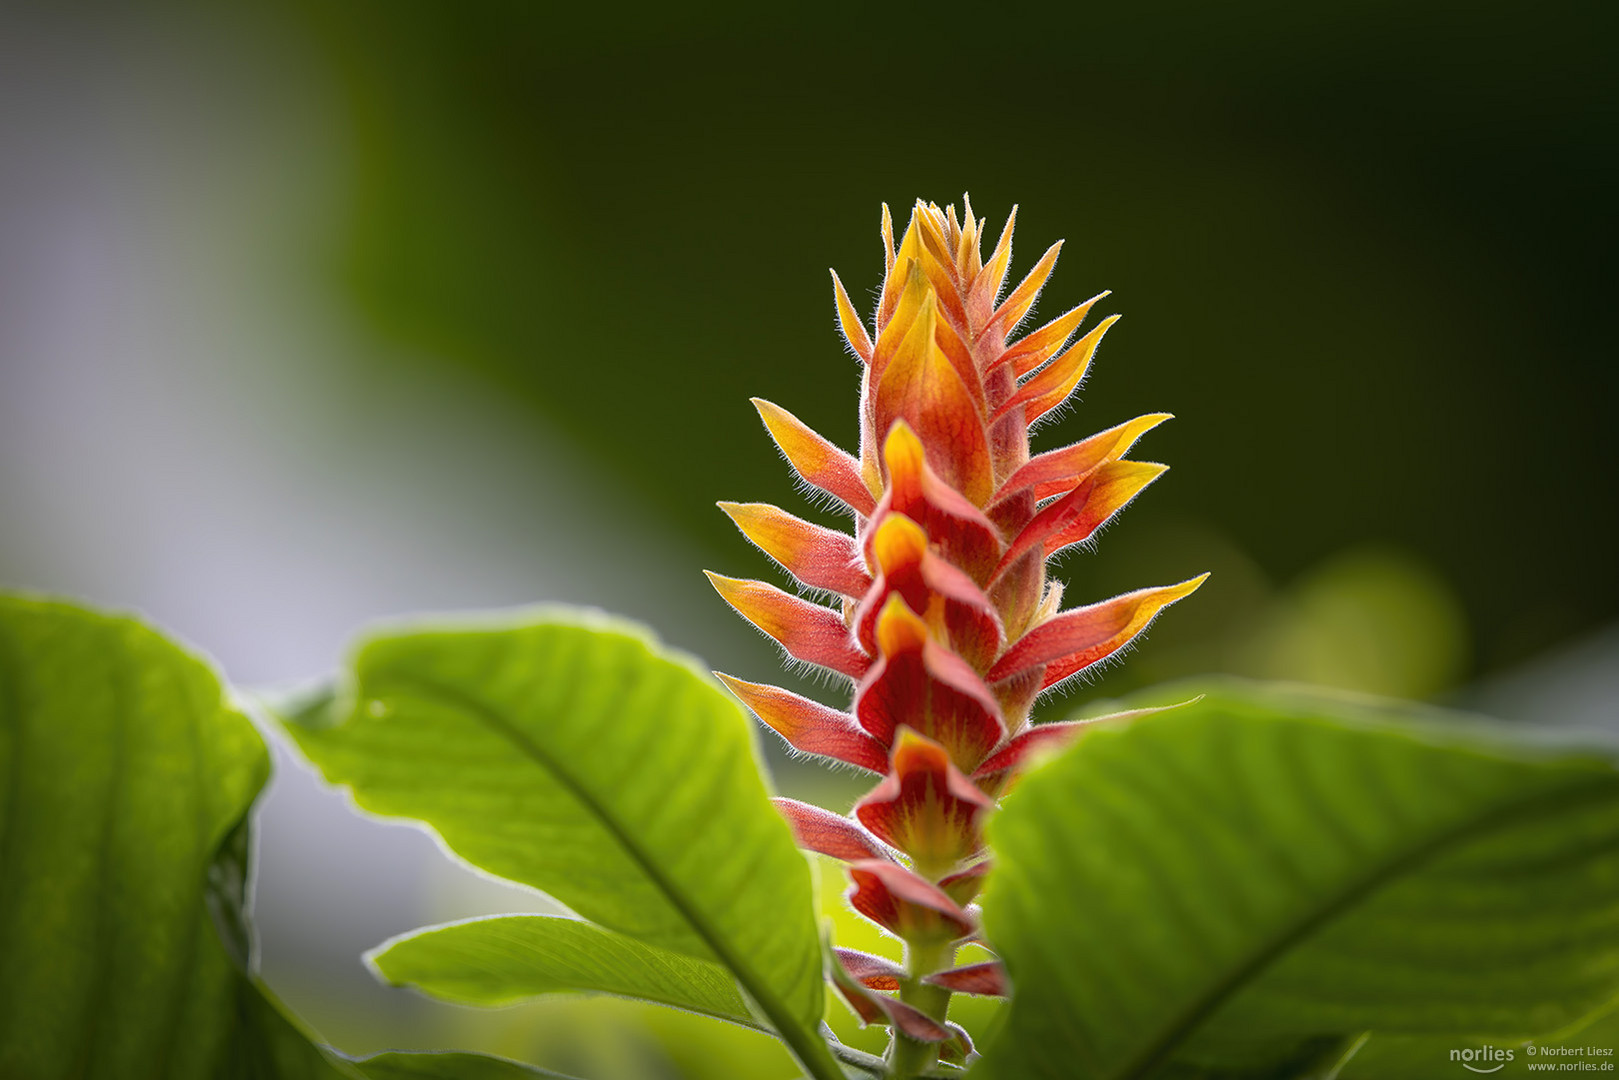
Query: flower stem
pixel 908 1057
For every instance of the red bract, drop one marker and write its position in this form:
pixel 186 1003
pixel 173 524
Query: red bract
pixel 949 627
pixel 925 807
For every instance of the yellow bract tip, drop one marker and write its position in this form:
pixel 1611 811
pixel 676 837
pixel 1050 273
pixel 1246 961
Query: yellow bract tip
pixel 899 629
pixel 898 541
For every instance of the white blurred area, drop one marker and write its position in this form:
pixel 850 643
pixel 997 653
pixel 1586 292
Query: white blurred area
pixel 175 439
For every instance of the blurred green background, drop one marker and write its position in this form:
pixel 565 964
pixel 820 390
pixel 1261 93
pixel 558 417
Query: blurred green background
pixel 1365 254
pixel 316 313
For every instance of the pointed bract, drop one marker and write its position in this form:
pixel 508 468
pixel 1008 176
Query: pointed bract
pixel 1058 471
pixel 809 726
pixel 1051 385
pixel 875 1008
pixel 818 557
pixel 898 900
pixel 1103 492
pixel 1022 298
pixel 821 464
pixel 958 1048
pixel 987 979
pixel 919 684
pixel 872 972
pixel 951 602
pixel 853 332
pixel 965 536
pixel 1041 345
pixel 986 289
pixel 963 886
pixel 925 806
pixel 920 386
pixel 1079 638
pixel 828 833
pixel 809 632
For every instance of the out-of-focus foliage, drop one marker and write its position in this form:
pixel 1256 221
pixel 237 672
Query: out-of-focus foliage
pixel 448 1066
pixel 125 783
pixel 1262 876
pixel 1416 1058
pixel 1364 620
pixel 1363 249
pixel 1372 619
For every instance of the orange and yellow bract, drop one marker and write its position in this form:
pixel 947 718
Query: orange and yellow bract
pixel 949 627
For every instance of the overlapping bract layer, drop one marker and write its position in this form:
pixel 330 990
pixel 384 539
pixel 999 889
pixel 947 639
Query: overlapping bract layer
pixel 948 627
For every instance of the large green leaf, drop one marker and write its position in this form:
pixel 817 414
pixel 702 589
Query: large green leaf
pixel 506 959
pixel 1417 1057
pixel 124 785
pixel 1265 870
pixel 569 753
pixel 448 1066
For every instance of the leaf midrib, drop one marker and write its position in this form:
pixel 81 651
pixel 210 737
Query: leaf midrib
pixel 122 678
pixel 1186 1024
pixel 786 1025
pixel 660 997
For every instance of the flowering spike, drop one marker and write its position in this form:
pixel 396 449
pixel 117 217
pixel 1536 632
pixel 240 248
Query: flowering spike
pixel 818 557
pixel 951 626
pixel 809 726
pixel 821 464
pixel 827 833
pixel 809 632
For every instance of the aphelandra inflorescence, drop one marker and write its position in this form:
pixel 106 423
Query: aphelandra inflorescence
pixel 949 628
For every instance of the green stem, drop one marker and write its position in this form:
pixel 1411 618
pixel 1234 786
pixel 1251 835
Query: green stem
pixel 909 1058
pixel 868 1063
pixel 813 1054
